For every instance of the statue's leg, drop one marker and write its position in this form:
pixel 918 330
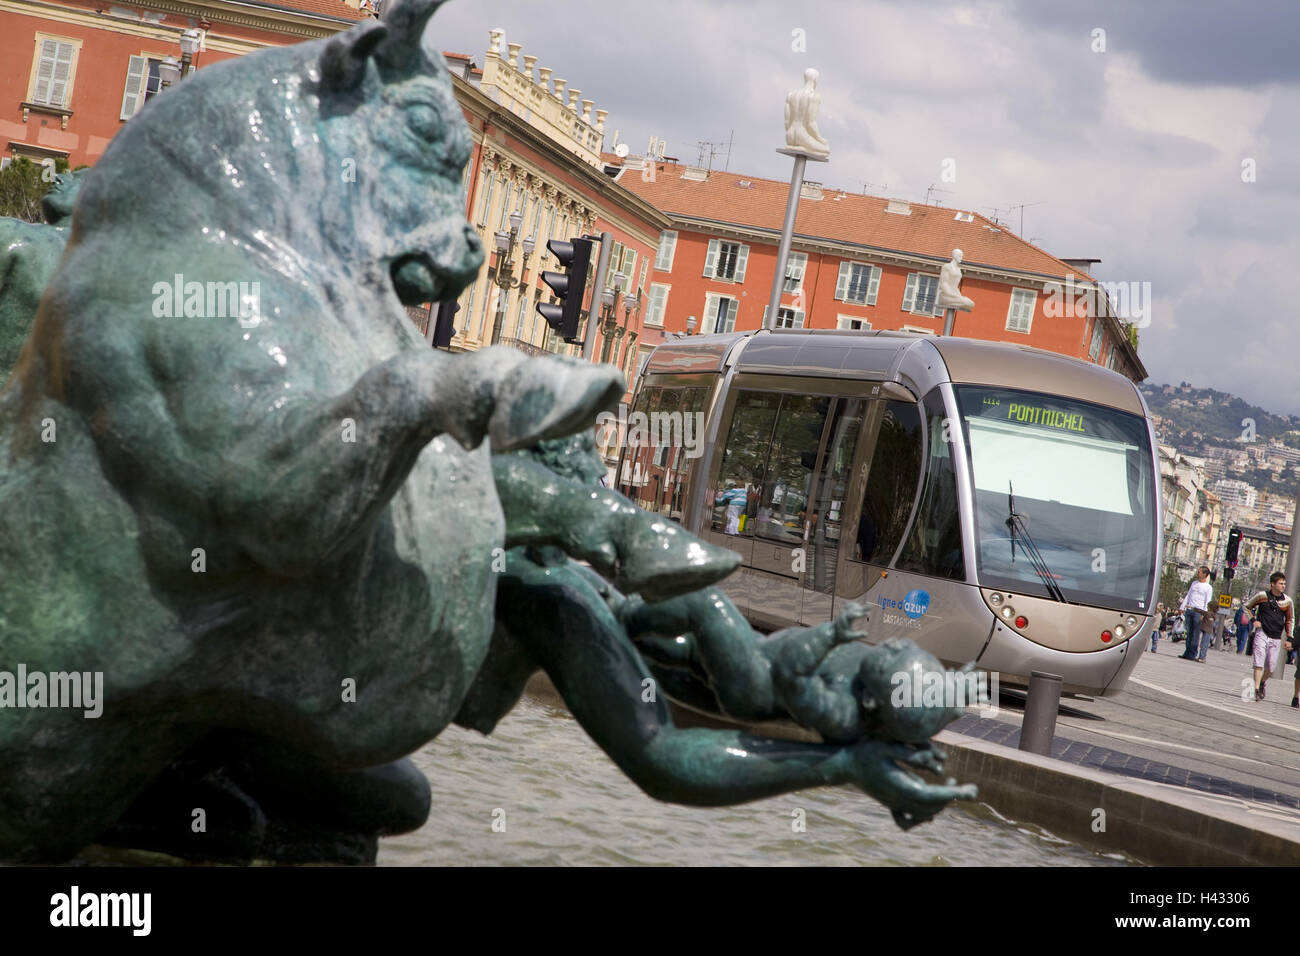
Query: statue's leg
pixel 321 493
pixel 570 630
pixel 641 552
pixel 718 639
pixel 262 800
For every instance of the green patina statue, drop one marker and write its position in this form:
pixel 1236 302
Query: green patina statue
pixel 279 541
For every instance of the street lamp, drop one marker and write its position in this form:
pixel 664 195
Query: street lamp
pixel 609 314
pixel 169 72
pixel 191 39
pixel 502 271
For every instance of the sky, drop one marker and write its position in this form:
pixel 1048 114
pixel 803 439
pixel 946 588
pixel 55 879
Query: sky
pixel 1161 137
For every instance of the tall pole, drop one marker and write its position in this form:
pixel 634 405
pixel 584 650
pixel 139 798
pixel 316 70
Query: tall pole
pixel 589 342
pixel 783 250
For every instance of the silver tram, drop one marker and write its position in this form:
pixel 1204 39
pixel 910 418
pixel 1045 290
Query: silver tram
pixel 994 503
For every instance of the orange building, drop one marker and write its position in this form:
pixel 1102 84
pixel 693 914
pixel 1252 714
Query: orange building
pixel 76 70
pixel 858 262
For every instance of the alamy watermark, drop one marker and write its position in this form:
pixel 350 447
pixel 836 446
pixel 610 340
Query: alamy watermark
pixel 207 300
pixel 1130 301
pixel 684 429
pixel 75 689
pixel 960 689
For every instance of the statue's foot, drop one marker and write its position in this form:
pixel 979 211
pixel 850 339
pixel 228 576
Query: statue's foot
pixel 260 800
pixel 517 400
pixel 880 769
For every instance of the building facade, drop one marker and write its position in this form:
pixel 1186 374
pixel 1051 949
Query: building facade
pixel 75 71
pixel 858 262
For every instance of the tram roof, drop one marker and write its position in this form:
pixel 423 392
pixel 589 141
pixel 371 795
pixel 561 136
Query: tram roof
pixel 875 355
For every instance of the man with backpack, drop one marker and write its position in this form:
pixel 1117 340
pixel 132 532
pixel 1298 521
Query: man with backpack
pixel 1275 615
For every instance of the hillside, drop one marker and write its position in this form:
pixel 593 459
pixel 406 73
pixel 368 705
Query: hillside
pixel 1218 422
pixel 1192 423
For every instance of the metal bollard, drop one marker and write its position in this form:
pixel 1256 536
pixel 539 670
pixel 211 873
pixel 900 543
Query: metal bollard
pixel 1039 726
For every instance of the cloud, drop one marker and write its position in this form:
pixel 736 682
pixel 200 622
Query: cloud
pixel 1133 155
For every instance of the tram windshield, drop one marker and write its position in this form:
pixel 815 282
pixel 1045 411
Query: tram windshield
pixel 1079 478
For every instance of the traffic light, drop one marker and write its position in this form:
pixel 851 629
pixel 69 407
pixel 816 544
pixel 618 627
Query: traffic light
pixel 1234 546
pixel 442 328
pixel 1228 572
pixel 575 257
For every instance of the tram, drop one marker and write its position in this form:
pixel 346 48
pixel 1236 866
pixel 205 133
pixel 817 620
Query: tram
pixel 994 503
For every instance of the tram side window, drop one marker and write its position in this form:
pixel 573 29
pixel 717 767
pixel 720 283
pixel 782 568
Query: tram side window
pixel 677 434
pixel 634 478
pixel 832 485
pixel 934 543
pixel 891 484
pixel 740 479
pixel 783 502
pixel 694 415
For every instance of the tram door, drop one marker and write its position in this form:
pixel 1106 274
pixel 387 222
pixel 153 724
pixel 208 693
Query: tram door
pixel 825 536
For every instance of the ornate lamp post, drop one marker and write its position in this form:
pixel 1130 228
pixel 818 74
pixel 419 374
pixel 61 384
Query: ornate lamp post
pixel 169 72
pixel 190 41
pixel 502 271
pixel 609 314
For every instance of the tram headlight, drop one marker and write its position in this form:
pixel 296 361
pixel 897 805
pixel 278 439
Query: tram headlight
pixel 995 599
pixel 1008 611
pixel 1119 631
pixel 1132 621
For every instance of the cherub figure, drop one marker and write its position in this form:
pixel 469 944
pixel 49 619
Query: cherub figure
pixel 824 676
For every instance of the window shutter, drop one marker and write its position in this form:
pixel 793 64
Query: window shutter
pixel 710 312
pixel 667 246
pixel 741 259
pixel 45 71
pixel 711 259
pixel 874 286
pixel 62 72
pixel 131 98
pixel 842 280
pixel 909 292
pixel 798 318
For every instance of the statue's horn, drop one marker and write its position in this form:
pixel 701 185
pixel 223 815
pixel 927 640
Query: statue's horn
pixel 406 20
pixel 343 64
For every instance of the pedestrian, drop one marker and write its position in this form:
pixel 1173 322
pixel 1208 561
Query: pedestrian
pixel 1275 616
pixel 1243 628
pixel 1193 607
pixel 1160 623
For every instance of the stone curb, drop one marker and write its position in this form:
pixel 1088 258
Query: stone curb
pixel 1156 823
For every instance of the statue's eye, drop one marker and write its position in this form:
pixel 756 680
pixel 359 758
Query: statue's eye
pixel 424 121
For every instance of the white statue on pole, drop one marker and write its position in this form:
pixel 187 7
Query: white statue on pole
pixel 950 296
pixel 801 108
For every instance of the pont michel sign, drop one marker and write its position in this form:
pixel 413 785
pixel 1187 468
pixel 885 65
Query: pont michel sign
pixel 297 543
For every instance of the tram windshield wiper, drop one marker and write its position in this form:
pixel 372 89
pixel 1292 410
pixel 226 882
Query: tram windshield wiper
pixel 1016 525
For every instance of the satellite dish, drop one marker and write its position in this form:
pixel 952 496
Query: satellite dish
pixel 621 150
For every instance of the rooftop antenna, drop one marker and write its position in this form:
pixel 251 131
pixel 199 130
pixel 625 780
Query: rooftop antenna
pixel 706 146
pixel 881 189
pixel 932 188
pixel 1021 207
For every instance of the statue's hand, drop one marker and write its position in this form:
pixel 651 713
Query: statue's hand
pixel 879 767
pixel 844 632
